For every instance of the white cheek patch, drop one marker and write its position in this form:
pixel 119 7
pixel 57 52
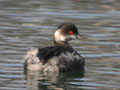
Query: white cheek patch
pixel 58 36
pixel 62 38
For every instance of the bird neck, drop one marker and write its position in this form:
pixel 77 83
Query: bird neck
pixel 61 43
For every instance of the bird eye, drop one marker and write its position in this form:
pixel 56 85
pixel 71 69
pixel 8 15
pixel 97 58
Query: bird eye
pixel 71 32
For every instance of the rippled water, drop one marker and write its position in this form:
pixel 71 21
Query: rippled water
pixel 31 23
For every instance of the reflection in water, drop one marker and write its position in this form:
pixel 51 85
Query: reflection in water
pixel 31 23
pixel 40 80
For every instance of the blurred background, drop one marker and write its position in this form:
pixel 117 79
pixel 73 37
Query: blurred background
pixel 31 23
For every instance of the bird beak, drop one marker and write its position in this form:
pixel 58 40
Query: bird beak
pixel 78 36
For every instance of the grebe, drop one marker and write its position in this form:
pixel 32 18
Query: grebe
pixel 58 58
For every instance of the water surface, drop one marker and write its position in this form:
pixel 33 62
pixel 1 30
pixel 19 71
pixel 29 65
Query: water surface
pixel 31 23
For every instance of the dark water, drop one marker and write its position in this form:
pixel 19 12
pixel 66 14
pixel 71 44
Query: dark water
pixel 31 23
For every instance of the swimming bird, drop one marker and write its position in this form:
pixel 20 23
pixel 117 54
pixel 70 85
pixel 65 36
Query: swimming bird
pixel 61 57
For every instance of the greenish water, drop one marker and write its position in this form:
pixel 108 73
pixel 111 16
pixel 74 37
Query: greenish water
pixel 31 23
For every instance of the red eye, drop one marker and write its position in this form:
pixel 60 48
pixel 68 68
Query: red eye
pixel 70 32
